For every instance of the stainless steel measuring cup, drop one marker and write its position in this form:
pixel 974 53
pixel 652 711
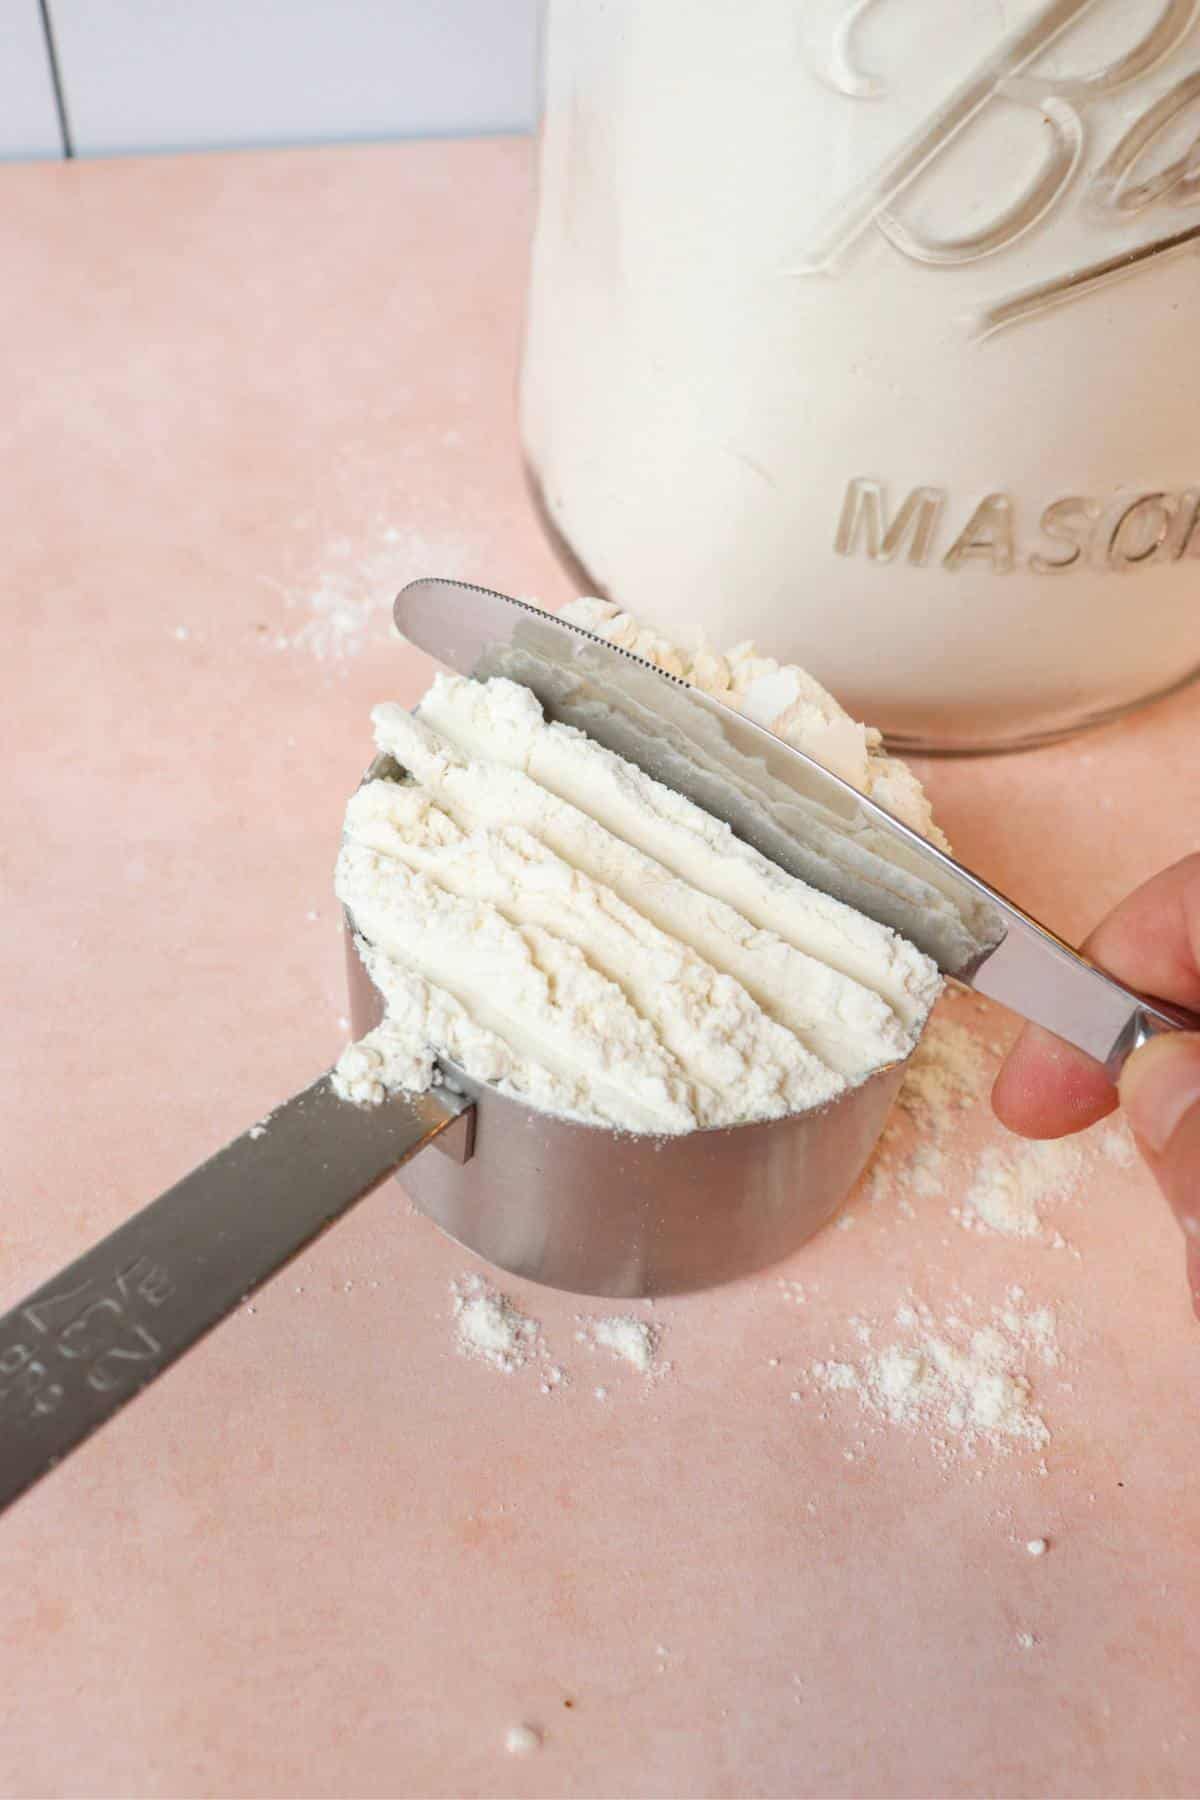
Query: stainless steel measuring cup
pixel 609 1212
pixel 598 1211
pixel 577 1206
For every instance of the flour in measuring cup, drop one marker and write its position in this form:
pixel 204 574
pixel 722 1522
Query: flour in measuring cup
pixel 583 937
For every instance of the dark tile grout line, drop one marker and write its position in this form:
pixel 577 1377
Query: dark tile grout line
pixel 60 100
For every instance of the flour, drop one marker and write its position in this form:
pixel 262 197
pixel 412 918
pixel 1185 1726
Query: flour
pixel 950 1072
pixel 491 1328
pixel 351 601
pixel 838 1377
pixel 635 1341
pixel 732 385
pixel 928 1170
pixel 946 1080
pixel 1116 1143
pixel 1013 1180
pixel 1009 1185
pixel 563 926
pixel 783 698
pixel 967 1387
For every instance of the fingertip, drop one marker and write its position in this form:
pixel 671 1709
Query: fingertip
pixel 1046 1088
pixel 1160 1086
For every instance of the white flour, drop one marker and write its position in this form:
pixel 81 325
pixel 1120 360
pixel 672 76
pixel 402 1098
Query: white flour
pixel 1010 1184
pixel 576 933
pixel 946 1081
pixel 950 1072
pixel 1116 1143
pixel 783 698
pixel 1013 1180
pixel 351 601
pixel 490 1327
pixel 927 1170
pixel 967 1387
pixel 634 1340
pixel 965 1380
pixel 724 358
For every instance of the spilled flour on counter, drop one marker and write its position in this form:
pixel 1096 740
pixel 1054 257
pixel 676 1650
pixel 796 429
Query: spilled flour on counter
pixel 948 1077
pixel 352 597
pixel 1012 1181
pixel 950 1072
pixel 1115 1142
pixel 793 1292
pixel 633 1340
pixel 967 1388
pixel 490 1327
pixel 1007 1186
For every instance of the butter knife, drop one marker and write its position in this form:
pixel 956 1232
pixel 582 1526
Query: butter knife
pixel 792 809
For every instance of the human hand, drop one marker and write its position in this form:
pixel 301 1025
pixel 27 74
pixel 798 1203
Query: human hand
pixel 1047 1089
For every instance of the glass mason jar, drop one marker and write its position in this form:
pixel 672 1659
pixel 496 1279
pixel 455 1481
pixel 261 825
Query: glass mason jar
pixel 869 329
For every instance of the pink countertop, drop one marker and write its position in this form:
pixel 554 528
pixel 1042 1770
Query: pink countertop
pixel 327 1555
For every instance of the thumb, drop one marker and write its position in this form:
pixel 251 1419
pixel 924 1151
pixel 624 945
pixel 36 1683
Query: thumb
pixel 1160 1091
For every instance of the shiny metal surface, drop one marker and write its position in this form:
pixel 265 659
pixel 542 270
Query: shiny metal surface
pixel 805 819
pixel 604 1212
pixel 91 1338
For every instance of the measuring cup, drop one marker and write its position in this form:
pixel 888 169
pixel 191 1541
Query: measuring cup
pixel 573 1205
pixel 607 1212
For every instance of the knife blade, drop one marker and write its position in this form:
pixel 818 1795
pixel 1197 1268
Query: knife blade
pixel 793 810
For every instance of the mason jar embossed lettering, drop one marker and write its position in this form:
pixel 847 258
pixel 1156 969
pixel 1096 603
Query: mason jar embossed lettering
pixel 868 328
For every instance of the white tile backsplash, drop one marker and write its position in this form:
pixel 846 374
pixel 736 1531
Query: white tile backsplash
pixel 143 75
pixel 28 115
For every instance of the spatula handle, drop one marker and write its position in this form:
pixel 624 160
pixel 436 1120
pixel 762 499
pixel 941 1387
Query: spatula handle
pixel 91 1338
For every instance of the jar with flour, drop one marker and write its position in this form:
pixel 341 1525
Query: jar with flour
pixel 867 328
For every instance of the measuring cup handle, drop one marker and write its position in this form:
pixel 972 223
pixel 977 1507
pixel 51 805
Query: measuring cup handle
pixel 91 1338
